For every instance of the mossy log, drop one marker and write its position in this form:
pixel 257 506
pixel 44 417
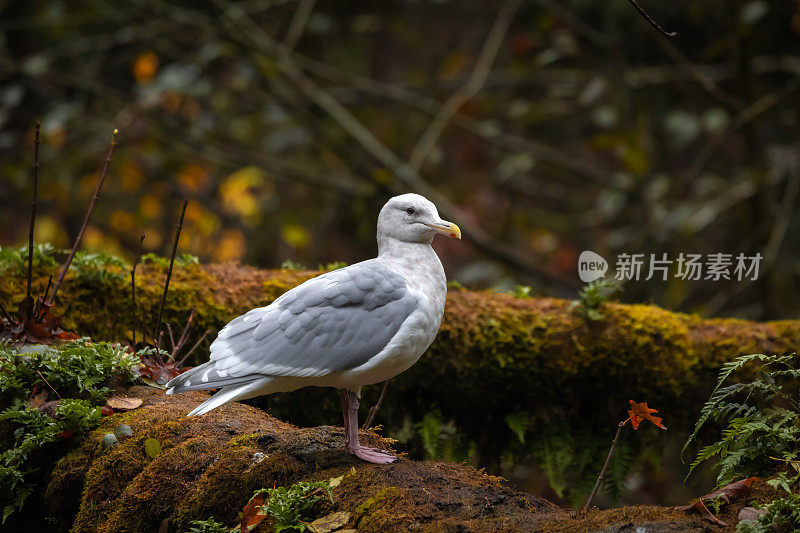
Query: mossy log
pixel 495 354
pixel 211 465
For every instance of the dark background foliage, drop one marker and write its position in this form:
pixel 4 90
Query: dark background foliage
pixel 288 124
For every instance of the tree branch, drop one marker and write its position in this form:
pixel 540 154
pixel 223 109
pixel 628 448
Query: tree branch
pixel 474 84
pixel 650 21
pixel 298 23
pixel 85 223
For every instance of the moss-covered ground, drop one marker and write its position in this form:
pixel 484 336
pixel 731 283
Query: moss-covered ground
pixel 211 465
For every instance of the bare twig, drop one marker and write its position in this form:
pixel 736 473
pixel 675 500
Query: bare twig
pixel 374 408
pixel 38 307
pixel 48 384
pixel 408 178
pixel 474 84
pixel 169 275
pixel 200 340
pixel 298 23
pixel 171 337
pixel 605 466
pixel 746 115
pixel 704 80
pixel 34 203
pixel 144 327
pixel 652 22
pixel 133 291
pixel 187 330
pixel 93 201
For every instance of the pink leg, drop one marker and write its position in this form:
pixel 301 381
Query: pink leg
pixel 343 400
pixel 350 410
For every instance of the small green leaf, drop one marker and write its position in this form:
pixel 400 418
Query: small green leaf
pixel 152 448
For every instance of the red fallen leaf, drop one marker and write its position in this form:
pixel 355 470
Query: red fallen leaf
pixel 66 436
pixel 106 410
pixel 67 336
pixel 640 411
pixel 729 492
pixel 701 508
pixel 119 403
pixel 37 332
pixel 252 514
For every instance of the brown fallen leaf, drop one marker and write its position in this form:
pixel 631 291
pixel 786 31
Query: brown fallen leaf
pixel 640 411
pixel 37 400
pixel 119 403
pixel 728 493
pixel 252 514
pixel 705 513
pixel 731 491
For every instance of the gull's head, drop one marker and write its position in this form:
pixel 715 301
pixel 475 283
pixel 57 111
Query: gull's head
pixel 413 218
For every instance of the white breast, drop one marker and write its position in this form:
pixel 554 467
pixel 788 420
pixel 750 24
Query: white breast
pixel 420 267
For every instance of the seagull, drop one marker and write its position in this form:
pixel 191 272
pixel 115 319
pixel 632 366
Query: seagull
pixel 347 328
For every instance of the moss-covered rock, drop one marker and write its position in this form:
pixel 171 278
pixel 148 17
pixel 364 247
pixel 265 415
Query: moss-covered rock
pixel 211 465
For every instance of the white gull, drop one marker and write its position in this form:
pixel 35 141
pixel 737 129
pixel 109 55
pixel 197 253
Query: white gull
pixel 354 326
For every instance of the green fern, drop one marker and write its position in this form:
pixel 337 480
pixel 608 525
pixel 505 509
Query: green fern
pixel 762 418
pixel 553 450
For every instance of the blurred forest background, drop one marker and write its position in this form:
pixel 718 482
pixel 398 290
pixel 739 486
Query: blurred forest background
pixel 543 128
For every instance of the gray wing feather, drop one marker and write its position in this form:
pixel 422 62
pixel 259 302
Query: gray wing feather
pixel 333 322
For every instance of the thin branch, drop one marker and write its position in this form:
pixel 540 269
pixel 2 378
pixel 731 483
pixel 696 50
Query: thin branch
pixel 169 275
pixel 374 408
pixel 409 179
pixel 171 337
pixel 605 466
pixel 144 327
pixel 93 201
pixel 133 291
pixel 48 384
pixel 38 305
pixel 696 73
pixel 298 23
pixel 202 337
pixel 474 84
pixel 34 203
pixel 652 22
pixel 746 115
pixel 187 331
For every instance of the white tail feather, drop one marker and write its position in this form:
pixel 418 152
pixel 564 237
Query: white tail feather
pixel 231 393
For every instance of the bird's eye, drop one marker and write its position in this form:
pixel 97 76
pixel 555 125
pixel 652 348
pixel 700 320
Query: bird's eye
pixel 410 210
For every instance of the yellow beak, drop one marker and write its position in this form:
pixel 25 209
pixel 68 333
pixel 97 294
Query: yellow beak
pixel 446 228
